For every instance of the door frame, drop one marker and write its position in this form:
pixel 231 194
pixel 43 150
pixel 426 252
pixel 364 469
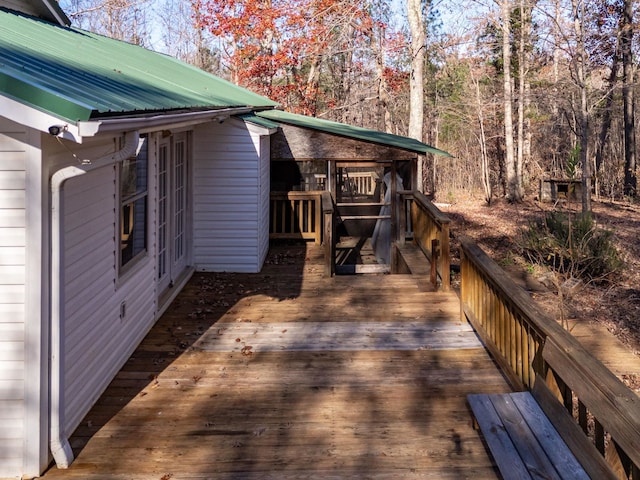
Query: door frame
pixel 174 212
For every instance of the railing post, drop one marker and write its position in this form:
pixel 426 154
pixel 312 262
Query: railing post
pixel 328 234
pixel 429 223
pixel 434 261
pixel 445 257
pixel 402 221
pixel 318 220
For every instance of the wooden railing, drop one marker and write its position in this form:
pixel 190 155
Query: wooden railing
pixel 352 183
pixel 296 215
pixel 430 230
pixel 514 330
pixel 509 322
pixel 359 183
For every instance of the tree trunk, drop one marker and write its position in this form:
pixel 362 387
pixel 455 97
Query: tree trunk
pixel 524 137
pixel 416 82
pixel 484 157
pixel 512 187
pixel 607 111
pixel 579 62
pixel 416 86
pixel 626 41
pixel 384 116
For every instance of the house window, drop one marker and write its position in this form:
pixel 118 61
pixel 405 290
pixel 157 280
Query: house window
pixel 133 205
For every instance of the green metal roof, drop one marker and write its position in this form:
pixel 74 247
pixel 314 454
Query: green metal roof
pixel 78 76
pixel 256 120
pixel 350 131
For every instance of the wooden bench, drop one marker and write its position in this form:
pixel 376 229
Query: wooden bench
pixel 532 434
pixel 409 258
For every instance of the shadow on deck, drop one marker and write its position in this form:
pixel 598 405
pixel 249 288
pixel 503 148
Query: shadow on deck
pixel 289 374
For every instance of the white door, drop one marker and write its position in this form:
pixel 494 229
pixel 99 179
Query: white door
pixel 172 209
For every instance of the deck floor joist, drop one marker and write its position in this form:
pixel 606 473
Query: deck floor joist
pixel 289 375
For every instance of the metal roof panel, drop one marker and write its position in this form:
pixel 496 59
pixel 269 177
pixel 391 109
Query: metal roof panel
pixel 78 75
pixel 349 131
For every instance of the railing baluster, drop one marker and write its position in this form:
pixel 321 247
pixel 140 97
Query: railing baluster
pixel 296 215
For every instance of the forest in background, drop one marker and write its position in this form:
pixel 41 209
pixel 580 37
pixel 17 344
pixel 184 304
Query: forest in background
pixel 515 90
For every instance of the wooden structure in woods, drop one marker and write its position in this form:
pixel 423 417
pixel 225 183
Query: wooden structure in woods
pixel 554 189
pixel 372 179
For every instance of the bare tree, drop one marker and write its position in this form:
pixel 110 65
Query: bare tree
pixel 416 82
pixel 125 20
pixel 579 64
pixel 183 36
pixel 417 52
pixel 524 89
pixel 626 42
pixel 482 140
pixel 513 187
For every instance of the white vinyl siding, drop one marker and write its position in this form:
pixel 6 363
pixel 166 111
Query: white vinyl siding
pixel 229 199
pixel 97 341
pixel 12 300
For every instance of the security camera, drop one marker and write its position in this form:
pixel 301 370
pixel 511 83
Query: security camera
pixel 56 130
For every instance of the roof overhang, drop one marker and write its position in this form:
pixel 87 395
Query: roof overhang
pixel 152 122
pixel 23 114
pixel 352 132
pixel 77 132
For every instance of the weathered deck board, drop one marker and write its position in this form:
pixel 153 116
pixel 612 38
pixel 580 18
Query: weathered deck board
pixel 359 377
pixel 336 336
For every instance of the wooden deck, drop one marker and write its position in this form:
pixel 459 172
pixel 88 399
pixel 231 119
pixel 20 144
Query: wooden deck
pixel 290 375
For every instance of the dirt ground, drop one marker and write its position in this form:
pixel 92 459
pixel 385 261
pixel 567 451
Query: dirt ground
pixel 614 304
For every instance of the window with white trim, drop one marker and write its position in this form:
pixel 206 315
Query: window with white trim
pixel 133 205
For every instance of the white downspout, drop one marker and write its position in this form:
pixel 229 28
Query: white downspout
pixel 59 443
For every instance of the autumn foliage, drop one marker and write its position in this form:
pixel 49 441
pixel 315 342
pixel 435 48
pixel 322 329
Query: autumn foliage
pixel 293 50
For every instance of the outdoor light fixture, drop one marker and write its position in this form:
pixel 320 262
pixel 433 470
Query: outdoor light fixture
pixel 56 130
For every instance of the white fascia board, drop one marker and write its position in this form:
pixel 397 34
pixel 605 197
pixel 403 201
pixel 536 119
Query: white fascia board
pixel 259 129
pixel 152 123
pixel 42 121
pixel 36 119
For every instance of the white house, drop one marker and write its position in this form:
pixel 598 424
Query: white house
pixel 121 171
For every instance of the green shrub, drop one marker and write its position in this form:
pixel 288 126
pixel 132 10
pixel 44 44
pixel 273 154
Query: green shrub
pixel 572 245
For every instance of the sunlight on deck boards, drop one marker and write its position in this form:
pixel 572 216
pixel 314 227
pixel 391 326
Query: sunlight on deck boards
pixel 346 378
pixel 337 336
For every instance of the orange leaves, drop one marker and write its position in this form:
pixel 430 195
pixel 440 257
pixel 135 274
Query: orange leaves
pixel 286 49
pixel 396 80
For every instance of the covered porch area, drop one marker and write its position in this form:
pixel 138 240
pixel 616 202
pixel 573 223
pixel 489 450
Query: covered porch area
pixel 291 374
